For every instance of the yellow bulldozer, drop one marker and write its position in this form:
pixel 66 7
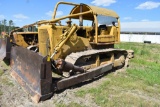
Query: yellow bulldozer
pixel 56 56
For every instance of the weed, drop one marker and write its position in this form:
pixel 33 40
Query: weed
pixel 6 81
pixel 1 72
pixel 1 93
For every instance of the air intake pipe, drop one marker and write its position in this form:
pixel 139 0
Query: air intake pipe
pixel 81 17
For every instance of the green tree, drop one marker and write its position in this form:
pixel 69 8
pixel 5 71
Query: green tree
pixel 4 22
pixel 0 27
pixel 6 26
pixel 11 24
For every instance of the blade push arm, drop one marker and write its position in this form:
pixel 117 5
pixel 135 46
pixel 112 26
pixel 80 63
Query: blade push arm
pixel 64 39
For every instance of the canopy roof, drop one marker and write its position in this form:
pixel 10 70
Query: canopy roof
pixel 95 10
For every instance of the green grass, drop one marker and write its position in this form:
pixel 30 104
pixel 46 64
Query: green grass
pixel 146 64
pixel 1 72
pixel 139 85
pixel 1 93
pixel 3 78
pixel 6 81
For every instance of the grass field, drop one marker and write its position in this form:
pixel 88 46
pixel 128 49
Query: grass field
pixel 135 86
pixel 138 85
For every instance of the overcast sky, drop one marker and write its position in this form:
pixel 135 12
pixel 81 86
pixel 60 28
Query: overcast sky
pixel 135 15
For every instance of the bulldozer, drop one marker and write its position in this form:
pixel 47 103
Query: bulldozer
pixel 23 36
pixel 57 56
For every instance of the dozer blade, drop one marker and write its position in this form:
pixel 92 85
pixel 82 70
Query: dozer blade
pixel 5 48
pixel 33 73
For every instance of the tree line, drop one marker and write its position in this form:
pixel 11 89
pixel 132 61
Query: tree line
pixel 6 26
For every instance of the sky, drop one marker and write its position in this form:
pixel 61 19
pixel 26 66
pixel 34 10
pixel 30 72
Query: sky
pixel 135 15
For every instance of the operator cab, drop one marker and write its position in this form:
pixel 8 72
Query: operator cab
pixel 104 27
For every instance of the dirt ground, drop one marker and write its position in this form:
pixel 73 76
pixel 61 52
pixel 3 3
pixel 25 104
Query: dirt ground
pixel 12 95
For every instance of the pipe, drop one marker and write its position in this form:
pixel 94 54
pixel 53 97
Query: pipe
pixel 55 9
pixel 80 16
pixel 69 16
pixel 96 29
pixel 62 66
pixel 51 21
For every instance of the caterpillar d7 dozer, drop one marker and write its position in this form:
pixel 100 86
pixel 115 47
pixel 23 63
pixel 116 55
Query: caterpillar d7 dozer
pixel 62 55
pixel 25 37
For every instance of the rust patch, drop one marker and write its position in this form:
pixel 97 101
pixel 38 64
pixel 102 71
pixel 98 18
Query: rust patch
pixel 36 98
pixel 27 70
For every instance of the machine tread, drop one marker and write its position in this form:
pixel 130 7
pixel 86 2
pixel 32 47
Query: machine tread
pixel 73 57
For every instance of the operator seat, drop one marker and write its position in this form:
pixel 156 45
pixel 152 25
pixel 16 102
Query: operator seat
pixel 101 27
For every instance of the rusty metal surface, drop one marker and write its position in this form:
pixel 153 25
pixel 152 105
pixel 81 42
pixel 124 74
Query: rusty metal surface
pixel 64 83
pixel 5 48
pixel 8 48
pixel 33 72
